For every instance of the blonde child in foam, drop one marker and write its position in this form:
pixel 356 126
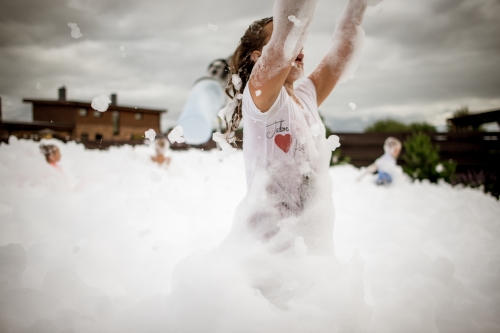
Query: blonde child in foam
pixel 385 165
pixel 289 198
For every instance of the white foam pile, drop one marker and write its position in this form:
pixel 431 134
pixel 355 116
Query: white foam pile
pixel 115 243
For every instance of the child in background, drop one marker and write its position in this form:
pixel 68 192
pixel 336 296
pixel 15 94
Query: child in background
pixel 385 164
pixel 162 149
pixel 52 154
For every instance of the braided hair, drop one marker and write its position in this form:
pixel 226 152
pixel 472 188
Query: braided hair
pixel 240 70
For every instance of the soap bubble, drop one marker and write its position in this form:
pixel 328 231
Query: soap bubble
pixel 75 31
pixel 100 103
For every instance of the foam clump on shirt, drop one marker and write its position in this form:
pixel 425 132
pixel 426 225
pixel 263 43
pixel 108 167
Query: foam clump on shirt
pixel 316 129
pixel 226 148
pixel 296 21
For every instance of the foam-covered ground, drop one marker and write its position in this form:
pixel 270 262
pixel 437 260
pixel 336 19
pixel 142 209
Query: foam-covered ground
pixel 92 248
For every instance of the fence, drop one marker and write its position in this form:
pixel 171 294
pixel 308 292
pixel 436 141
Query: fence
pixel 470 150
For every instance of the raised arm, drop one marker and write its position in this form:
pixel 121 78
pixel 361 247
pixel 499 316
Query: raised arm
pixel 273 63
pixel 344 42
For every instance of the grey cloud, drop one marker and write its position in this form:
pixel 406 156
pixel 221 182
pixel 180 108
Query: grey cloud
pixel 441 26
pixel 44 22
pixel 438 51
pixel 419 52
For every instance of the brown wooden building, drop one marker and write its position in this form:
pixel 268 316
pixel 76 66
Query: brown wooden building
pixel 72 120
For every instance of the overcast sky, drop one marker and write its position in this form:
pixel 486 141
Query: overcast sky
pixel 422 60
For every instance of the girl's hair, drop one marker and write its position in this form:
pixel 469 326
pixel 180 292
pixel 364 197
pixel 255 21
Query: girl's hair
pixel 242 65
pixel 47 150
pixel 391 143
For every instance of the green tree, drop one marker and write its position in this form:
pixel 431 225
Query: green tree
pixel 423 127
pixel 391 125
pixel 386 125
pixel 461 112
pixel 421 159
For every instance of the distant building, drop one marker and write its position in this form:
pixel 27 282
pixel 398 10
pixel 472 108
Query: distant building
pixel 71 120
pixel 473 121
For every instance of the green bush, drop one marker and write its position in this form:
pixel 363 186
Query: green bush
pixel 338 158
pixel 487 180
pixel 421 160
pixel 391 125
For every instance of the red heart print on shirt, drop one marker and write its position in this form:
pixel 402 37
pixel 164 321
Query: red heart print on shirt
pixel 284 142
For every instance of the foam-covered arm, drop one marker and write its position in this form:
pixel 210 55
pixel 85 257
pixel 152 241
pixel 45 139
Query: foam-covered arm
pixel 341 60
pixel 291 20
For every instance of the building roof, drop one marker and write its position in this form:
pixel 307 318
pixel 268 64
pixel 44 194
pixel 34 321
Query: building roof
pixel 477 119
pixel 36 125
pixel 88 106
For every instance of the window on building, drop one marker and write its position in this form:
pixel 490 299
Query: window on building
pixel 138 116
pixel 97 114
pixel 98 137
pixel 83 112
pixel 84 136
pixel 116 122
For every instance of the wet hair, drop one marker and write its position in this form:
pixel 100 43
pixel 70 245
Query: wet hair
pixel 242 65
pixel 391 143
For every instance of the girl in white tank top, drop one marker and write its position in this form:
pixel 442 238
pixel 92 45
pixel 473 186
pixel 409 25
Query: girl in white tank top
pixel 285 150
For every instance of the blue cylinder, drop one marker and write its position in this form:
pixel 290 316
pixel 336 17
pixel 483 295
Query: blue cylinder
pixel 199 116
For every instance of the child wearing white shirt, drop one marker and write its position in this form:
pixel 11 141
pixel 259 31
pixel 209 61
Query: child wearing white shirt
pixel 385 165
pixel 285 150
